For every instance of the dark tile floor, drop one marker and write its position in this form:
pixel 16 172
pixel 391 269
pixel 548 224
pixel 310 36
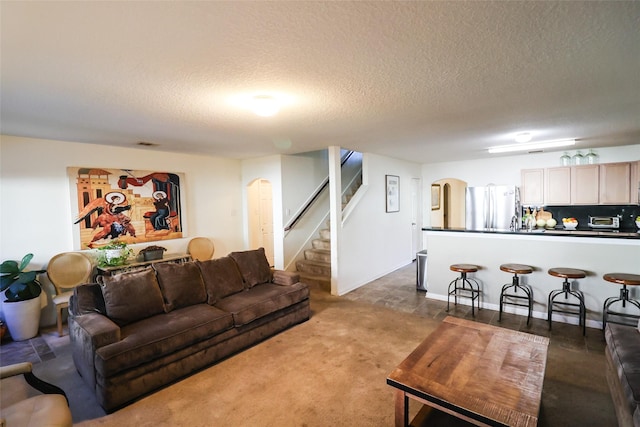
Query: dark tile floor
pixel 398 292
pixel 45 346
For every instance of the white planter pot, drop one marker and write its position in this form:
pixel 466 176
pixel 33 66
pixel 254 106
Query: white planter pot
pixel 111 254
pixel 23 318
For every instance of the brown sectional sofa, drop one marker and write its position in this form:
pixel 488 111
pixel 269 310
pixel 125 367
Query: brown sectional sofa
pixel 136 332
pixel 623 371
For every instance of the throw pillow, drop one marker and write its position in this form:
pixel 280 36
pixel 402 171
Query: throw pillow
pixel 221 278
pixel 181 285
pixel 129 297
pixel 253 266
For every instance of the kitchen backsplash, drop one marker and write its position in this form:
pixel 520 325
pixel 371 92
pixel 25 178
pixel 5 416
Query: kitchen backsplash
pixel 582 213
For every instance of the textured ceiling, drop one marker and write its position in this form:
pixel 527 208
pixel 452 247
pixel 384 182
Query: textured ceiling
pixel 422 81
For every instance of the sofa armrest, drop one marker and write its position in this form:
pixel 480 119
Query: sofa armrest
pixel 285 278
pixel 99 329
pixel 88 333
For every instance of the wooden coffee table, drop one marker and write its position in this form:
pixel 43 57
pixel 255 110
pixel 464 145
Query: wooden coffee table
pixel 483 374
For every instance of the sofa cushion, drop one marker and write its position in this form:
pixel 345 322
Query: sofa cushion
pixel 262 300
pixel 129 297
pixel 221 278
pixel 624 346
pixel 253 266
pixel 155 337
pixel 181 284
pixel 87 298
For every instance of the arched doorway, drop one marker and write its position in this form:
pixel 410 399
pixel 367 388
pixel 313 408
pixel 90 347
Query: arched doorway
pixel 260 205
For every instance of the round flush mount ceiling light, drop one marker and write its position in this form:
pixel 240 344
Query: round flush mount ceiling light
pixel 265 105
pixel 523 137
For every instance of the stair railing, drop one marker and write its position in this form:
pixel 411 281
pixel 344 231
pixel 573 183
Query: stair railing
pixel 315 196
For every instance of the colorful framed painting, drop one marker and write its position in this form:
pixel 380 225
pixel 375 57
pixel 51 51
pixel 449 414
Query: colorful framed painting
pixel 392 190
pixel 133 206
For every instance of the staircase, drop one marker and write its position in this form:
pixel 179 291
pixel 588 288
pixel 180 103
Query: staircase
pixel 315 268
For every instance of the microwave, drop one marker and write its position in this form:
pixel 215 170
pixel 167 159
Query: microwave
pixel 604 221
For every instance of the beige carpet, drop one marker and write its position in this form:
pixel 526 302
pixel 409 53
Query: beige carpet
pixel 328 371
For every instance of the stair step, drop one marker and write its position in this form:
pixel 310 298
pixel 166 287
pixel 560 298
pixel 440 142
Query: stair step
pixel 323 255
pixel 321 244
pixel 318 268
pixel 325 234
pixel 323 282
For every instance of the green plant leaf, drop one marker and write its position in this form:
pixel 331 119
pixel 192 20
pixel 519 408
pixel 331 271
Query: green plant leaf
pixel 25 261
pixel 9 267
pixel 27 276
pixel 6 281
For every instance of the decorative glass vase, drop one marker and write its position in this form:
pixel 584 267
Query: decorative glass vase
pixel 578 159
pixel 592 158
pixel 565 160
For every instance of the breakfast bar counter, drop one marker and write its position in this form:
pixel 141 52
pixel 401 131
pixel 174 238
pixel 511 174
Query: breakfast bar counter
pixel 595 252
pixel 559 231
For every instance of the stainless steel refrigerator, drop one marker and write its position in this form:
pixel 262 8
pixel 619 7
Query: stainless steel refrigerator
pixel 494 207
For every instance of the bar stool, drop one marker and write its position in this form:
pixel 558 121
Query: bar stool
pixel 625 280
pixel 464 286
pixel 566 274
pixel 509 293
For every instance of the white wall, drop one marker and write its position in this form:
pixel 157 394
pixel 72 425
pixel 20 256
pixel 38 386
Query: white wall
pixel 35 206
pixel 506 170
pixel 373 242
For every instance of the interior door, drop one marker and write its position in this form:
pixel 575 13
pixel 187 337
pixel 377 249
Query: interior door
pixel 415 216
pixel 260 215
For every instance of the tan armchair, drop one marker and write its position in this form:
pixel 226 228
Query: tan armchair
pixel 49 409
pixel 200 248
pixel 66 271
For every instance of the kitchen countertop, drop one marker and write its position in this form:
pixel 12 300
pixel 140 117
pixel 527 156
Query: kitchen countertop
pixel 624 234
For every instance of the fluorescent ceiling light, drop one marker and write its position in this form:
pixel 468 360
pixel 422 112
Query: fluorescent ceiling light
pixel 531 146
pixel 523 137
pixel 264 105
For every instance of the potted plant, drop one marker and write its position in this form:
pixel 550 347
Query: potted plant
pixel 153 252
pixel 22 291
pixel 113 254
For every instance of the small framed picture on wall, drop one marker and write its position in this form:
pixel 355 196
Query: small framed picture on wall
pixel 392 191
pixel 435 197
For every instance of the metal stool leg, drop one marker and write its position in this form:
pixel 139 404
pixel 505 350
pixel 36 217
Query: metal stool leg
pixel 467 285
pixel 566 290
pixel 528 295
pixel 624 298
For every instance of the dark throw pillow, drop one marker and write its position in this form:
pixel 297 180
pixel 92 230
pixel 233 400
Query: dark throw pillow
pixel 181 285
pixel 129 297
pixel 253 266
pixel 221 278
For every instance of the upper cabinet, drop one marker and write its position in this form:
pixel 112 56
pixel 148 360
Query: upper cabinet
pixel 635 183
pixel 615 184
pixel 585 188
pixel 532 186
pixel 557 189
pixel 605 184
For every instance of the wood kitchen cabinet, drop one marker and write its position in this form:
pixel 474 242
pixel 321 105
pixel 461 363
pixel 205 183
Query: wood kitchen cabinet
pixel 615 183
pixel 557 188
pixel 635 183
pixel 585 187
pixel 599 184
pixel 532 186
